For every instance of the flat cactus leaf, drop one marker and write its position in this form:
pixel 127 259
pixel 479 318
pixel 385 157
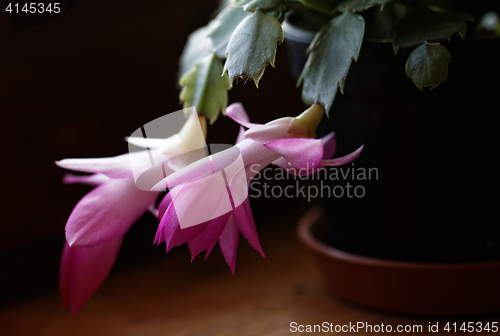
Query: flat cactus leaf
pixel 253 45
pixel 428 26
pixel 198 46
pixel 427 66
pixel 205 88
pixel 223 26
pixel 330 56
pixel 212 38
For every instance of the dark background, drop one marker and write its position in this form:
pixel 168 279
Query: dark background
pixel 75 86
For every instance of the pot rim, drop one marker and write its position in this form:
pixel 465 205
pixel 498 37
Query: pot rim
pixel 312 217
pixel 296 33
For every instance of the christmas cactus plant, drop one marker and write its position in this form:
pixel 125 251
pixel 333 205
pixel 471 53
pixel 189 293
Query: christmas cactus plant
pixel 207 195
pixel 243 39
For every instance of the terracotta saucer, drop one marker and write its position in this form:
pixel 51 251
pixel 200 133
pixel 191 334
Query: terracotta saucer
pixel 404 287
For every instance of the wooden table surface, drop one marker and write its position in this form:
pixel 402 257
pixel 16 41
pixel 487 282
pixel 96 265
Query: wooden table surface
pixel 170 296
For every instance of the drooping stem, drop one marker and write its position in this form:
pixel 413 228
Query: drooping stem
pixel 307 122
pixel 313 115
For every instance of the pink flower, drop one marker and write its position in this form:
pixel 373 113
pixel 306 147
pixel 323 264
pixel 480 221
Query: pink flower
pixel 96 226
pixel 208 200
pixel 83 270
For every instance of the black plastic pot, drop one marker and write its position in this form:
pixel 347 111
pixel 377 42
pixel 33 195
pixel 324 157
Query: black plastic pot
pixel 435 192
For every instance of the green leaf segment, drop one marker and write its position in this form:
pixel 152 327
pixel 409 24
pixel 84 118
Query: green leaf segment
pixel 427 65
pixel 330 56
pixel 223 27
pixel 252 46
pixel 428 26
pixel 246 33
pixel 205 88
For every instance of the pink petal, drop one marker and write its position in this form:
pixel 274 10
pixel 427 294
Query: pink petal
pixel 342 160
pixel 228 242
pixel 180 161
pixel 209 237
pixel 281 162
pixel 256 157
pixel 244 219
pixel 241 135
pixel 190 207
pixel 195 170
pixel 237 113
pixel 329 145
pixel 92 180
pixel 163 206
pixel 280 121
pixel 302 153
pixel 146 142
pixel 171 233
pixel 237 182
pixel 145 179
pixel 83 270
pixel 107 212
pixel 268 133
pixel 201 200
pixel 116 167
pixel 200 169
pixel 65 271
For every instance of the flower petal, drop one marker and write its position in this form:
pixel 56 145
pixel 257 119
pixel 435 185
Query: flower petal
pixel 209 237
pixel 107 212
pixel 182 160
pixel 120 166
pixel 244 219
pixel 190 207
pixel 302 153
pixel 65 271
pixel 163 206
pixel 228 242
pixel 237 113
pixel 241 135
pixel 200 169
pixel 149 143
pixel 83 270
pixel 329 145
pixel 256 157
pixel 268 133
pixel 282 163
pixel 92 180
pixel 169 230
pixel 201 200
pixel 342 160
